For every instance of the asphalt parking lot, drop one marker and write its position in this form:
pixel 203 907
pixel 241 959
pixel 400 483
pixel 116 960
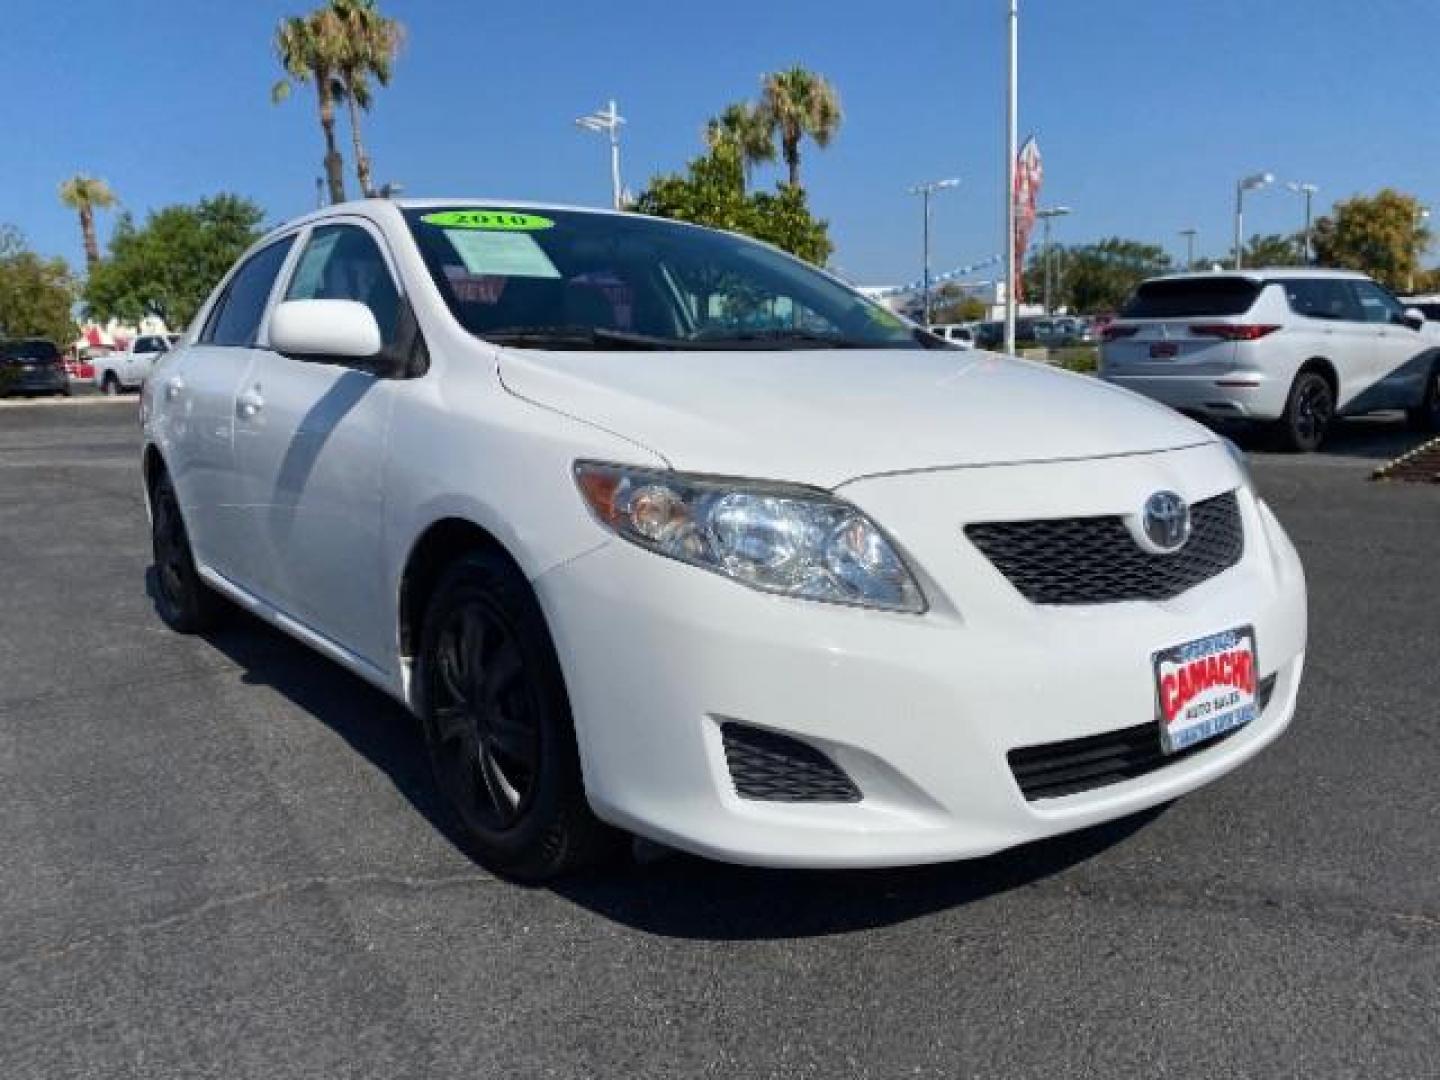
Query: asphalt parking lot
pixel 225 858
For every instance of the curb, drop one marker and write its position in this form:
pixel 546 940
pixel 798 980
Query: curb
pixel 1420 465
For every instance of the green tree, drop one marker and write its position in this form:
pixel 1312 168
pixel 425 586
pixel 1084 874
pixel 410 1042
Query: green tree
pixel 743 127
pixel 1098 277
pixel 1382 235
pixel 311 49
pixel 1274 249
pixel 371 42
pixel 168 266
pixel 86 194
pixel 797 104
pixel 36 294
pixel 952 304
pixel 712 193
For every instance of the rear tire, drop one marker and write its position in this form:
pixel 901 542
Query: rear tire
pixel 1309 412
pixel 498 725
pixel 184 601
pixel 1425 417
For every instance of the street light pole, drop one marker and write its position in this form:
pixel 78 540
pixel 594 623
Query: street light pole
pixel 607 121
pixel 1307 190
pixel 1422 214
pixel 1189 235
pixel 1012 137
pixel 925 191
pixel 1045 214
pixel 1250 183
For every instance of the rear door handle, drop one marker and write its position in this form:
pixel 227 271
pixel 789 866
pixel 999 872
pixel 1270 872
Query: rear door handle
pixel 249 404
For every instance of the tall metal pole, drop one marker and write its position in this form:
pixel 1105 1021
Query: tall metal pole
pixel 925 198
pixel 1239 223
pixel 925 191
pixel 1047 264
pixel 1012 138
pixel 615 154
pixel 1309 194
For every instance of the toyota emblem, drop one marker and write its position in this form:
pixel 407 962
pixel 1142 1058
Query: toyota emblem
pixel 1164 523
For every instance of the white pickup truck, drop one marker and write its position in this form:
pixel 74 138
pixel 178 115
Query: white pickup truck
pixel 129 369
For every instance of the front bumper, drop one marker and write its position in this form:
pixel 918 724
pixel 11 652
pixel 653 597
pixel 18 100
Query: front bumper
pixel 1234 395
pixel 920 711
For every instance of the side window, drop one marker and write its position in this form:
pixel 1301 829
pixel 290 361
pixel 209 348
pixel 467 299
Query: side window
pixel 1377 305
pixel 236 318
pixel 343 262
pixel 1322 298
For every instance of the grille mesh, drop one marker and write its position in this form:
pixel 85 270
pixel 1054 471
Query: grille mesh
pixel 1095 560
pixel 1052 770
pixel 771 767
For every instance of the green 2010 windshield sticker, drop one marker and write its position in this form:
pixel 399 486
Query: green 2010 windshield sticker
pixel 495 220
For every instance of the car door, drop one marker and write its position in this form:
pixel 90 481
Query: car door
pixel 196 400
pixel 1397 352
pixel 310 440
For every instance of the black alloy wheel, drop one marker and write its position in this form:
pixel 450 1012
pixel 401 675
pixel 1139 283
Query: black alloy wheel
pixel 498 725
pixel 1309 412
pixel 184 601
pixel 1425 417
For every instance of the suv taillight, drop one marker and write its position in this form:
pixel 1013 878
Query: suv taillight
pixel 1114 333
pixel 1233 332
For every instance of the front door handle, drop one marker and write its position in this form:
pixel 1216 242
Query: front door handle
pixel 249 404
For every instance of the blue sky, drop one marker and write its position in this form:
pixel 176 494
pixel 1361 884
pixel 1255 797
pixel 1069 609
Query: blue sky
pixel 1146 110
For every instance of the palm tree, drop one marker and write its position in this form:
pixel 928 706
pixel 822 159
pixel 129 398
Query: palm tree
pixel 797 103
pixel 86 194
pixel 744 128
pixel 371 42
pixel 310 49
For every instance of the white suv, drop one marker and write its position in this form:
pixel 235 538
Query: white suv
pixel 1297 346
pixel 658 527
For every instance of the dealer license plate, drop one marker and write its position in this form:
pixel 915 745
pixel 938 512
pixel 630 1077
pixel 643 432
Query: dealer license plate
pixel 1205 688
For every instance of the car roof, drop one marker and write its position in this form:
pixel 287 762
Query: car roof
pixel 1265 273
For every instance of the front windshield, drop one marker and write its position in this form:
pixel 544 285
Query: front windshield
pixel 572 279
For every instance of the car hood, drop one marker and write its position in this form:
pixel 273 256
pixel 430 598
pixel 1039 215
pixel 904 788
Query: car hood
pixel 824 417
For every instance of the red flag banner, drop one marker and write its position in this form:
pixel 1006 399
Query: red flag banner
pixel 1028 174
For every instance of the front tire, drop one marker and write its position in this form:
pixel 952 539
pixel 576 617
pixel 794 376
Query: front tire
pixel 1309 412
pixel 498 725
pixel 1425 417
pixel 185 602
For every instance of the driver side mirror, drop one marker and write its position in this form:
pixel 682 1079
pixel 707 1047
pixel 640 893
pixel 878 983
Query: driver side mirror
pixel 337 330
pixel 1413 318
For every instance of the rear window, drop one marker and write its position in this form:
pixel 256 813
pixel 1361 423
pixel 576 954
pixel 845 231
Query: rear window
pixel 30 350
pixel 1191 297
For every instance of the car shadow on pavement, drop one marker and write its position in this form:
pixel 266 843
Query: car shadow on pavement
pixel 679 895
pixel 1363 438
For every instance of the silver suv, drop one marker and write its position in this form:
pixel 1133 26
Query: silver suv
pixel 1296 346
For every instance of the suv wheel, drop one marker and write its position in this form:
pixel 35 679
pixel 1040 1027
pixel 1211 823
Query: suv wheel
pixel 498 726
pixel 185 602
pixel 1309 412
pixel 1426 416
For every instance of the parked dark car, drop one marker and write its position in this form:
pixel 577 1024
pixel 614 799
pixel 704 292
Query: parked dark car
pixel 32 366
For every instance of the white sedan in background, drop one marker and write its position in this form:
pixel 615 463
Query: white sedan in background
pixel 660 530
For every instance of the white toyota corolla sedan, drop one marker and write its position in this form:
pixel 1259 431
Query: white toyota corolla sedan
pixel 660 530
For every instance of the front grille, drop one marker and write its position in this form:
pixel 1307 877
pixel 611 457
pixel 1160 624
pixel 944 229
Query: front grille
pixel 771 767
pixel 1052 770
pixel 1095 560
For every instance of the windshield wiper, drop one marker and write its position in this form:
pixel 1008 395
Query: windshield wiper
pixel 789 336
pixel 577 337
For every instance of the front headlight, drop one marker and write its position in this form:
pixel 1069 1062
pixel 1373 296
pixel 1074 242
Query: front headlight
pixel 776 538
